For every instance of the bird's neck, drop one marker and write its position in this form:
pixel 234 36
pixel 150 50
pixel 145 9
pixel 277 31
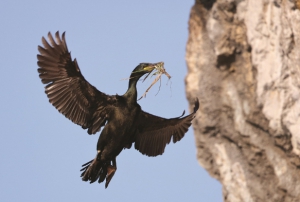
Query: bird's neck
pixel 131 93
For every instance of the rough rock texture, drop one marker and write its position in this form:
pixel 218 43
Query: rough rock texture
pixel 243 59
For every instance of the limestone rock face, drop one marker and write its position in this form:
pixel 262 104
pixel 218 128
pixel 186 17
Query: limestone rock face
pixel 243 59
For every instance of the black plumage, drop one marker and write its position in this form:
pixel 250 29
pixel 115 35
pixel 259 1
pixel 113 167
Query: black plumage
pixel 122 117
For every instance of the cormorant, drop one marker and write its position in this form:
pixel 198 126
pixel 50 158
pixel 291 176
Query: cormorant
pixel 122 117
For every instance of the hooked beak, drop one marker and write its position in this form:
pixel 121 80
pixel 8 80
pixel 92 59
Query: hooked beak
pixel 153 66
pixel 149 68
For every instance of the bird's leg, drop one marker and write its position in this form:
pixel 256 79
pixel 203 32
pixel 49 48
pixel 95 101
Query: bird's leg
pixel 111 169
pixel 98 156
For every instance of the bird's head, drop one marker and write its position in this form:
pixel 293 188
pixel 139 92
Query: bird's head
pixel 143 68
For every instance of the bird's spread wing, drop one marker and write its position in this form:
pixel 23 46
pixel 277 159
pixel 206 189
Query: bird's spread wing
pixel 154 132
pixel 67 89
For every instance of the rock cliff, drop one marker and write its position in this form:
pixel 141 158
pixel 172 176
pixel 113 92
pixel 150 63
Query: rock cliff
pixel 243 59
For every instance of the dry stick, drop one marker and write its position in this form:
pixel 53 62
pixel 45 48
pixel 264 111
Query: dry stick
pixel 155 80
pixel 158 87
pixel 160 71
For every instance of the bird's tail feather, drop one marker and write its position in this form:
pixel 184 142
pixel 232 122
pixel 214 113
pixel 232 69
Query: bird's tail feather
pixel 94 170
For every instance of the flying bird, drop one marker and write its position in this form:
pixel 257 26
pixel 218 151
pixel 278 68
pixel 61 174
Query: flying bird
pixel 122 119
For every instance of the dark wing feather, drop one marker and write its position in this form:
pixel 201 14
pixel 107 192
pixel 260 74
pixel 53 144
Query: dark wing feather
pixel 154 132
pixel 67 89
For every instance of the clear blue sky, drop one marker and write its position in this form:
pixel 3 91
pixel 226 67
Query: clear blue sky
pixel 41 152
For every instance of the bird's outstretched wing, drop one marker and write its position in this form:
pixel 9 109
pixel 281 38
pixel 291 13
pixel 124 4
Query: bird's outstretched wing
pixel 154 132
pixel 67 89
